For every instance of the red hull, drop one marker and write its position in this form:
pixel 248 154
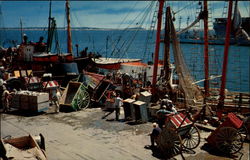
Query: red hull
pixel 46 58
pixel 114 66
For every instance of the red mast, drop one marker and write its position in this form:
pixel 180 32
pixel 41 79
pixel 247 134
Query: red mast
pixel 206 65
pixel 157 45
pixel 225 61
pixel 69 40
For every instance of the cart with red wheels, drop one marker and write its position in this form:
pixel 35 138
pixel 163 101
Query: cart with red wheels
pixel 228 137
pixel 179 133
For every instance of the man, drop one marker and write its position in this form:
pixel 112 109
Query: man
pixel 155 134
pixel 165 101
pixel 161 115
pixel 118 104
pixel 2 87
pixel 2 70
pixel 5 99
pixel 168 104
pixel 55 98
pixel 167 107
pixel 171 108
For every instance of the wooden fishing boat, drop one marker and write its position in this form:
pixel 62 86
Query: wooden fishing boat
pixel 45 57
pixel 112 63
pixel 48 57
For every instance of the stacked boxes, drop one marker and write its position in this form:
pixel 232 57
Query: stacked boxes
pixel 31 101
pixel 128 108
pixel 145 97
pixel 15 103
pixel 137 110
pixel 140 111
pixel 39 102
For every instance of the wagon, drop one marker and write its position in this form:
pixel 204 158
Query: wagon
pixel 89 88
pixel 96 85
pixel 179 133
pixel 26 147
pixel 75 97
pixel 228 137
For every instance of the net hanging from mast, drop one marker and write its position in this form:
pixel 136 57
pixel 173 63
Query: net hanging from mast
pixel 190 26
pixel 191 91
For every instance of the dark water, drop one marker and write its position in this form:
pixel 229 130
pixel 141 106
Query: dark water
pixel 132 44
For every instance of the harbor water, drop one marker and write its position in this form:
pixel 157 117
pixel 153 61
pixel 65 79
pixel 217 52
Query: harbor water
pixel 135 44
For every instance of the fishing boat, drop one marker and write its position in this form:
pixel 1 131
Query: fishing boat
pixel 162 75
pixel 112 63
pixel 40 51
pixel 239 33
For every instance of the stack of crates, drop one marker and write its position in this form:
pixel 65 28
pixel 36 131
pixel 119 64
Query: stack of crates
pixel 128 109
pixel 31 101
pixel 39 102
pixel 145 97
pixel 140 111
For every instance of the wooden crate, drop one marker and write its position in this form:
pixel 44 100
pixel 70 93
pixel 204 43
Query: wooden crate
pixel 24 98
pixel 128 108
pixel 140 111
pixel 39 107
pixel 24 106
pixel 40 98
pixel 153 110
pixel 15 102
pixel 145 97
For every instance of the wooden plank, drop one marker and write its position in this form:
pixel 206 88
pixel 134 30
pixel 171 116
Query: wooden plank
pixel 205 127
pixel 17 74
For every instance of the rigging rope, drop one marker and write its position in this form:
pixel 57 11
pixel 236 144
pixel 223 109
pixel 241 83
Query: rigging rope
pixel 141 23
pixel 190 3
pixel 150 33
pixel 191 25
pixel 127 15
pixel 191 91
pixel 125 44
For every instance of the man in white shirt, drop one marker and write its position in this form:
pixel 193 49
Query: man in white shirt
pixel 118 104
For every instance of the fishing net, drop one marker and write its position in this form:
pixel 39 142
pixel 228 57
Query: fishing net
pixel 190 26
pixel 191 91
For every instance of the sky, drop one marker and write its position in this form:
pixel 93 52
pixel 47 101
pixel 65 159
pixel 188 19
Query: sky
pixel 100 14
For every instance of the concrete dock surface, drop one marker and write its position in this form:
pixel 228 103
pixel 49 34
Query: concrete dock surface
pixel 84 135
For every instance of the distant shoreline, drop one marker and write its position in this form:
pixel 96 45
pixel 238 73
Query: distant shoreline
pixel 62 28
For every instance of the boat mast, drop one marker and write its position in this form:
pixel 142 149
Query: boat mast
pixel 206 63
pixel 167 45
pixel 21 25
pixel 180 23
pixel 225 61
pixel 69 39
pixel 49 29
pixel 157 45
